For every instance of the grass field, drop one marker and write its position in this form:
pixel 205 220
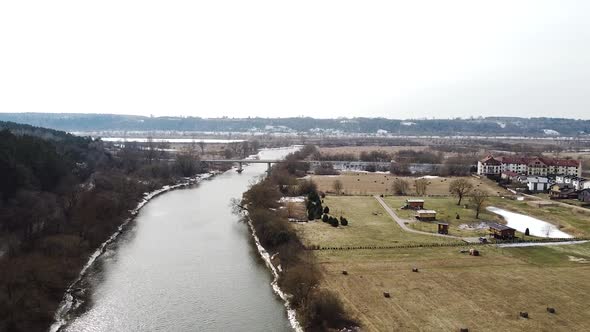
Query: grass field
pixel 358 183
pixel 454 290
pixel 447 211
pixel 364 229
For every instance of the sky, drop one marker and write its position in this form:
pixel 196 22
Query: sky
pixel 325 59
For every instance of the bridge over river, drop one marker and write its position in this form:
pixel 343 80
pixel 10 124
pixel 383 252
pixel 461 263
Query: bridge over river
pixel 338 164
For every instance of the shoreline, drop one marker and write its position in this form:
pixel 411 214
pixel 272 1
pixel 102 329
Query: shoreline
pixel 264 254
pixel 70 299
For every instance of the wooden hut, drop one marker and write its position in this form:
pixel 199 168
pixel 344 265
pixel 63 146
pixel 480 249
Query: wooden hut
pixel 443 228
pixel 414 204
pixel 499 231
pixel 426 215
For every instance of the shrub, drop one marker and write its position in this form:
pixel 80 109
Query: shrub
pixel 343 221
pixel 526 232
pixel 325 312
pixel 325 218
pixel 326 210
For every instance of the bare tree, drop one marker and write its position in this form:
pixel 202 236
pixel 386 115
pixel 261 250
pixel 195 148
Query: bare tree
pixel 460 188
pixel 338 187
pixel 478 198
pixel 547 230
pixel 400 187
pixel 421 185
pixel 150 154
pixel 202 146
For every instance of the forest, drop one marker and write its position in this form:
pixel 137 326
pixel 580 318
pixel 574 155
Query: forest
pixel 61 196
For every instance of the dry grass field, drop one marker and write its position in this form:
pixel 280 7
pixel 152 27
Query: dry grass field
pixel 454 290
pixel 356 150
pixel 360 183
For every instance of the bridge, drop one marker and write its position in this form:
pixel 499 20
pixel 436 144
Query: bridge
pixel 340 164
pixel 241 162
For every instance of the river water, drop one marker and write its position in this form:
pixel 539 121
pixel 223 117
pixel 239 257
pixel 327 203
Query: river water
pixel 186 264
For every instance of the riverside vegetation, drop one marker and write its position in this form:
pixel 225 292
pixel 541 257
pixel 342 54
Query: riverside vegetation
pixel 318 309
pixel 61 196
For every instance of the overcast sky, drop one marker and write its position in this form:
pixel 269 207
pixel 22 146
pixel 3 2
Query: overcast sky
pixel 406 59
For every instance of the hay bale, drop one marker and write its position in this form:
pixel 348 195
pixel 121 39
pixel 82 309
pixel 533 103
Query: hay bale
pixel 550 310
pixel 414 269
pixel 523 314
pixel 386 294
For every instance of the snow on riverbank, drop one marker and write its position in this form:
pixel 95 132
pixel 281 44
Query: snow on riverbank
pixel 69 301
pixel 296 199
pixel 536 227
pixel 291 314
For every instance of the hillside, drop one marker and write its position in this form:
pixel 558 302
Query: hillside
pixel 538 127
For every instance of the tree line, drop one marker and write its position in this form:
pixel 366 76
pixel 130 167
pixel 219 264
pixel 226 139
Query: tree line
pixel 61 196
pixel 317 309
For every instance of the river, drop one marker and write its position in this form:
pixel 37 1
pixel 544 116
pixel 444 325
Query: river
pixel 186 264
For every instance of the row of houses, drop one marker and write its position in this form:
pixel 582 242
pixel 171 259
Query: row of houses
pixel 536 166
pixel 558 187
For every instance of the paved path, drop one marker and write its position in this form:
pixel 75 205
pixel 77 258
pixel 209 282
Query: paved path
pixel 401 222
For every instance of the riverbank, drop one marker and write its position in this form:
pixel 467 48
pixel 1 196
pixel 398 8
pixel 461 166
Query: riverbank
pixel 296 275
pixel 74 295
pixel 275 270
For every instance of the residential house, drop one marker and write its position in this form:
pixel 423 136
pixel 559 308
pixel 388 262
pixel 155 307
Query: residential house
pixel 562 191
pixel 539 166
pixel 489 166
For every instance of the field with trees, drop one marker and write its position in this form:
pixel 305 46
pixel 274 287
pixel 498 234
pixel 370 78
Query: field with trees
pixel 451 289
pixel 362 183
pixel 368 225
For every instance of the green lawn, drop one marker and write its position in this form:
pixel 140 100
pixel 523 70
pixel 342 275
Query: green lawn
pixel 369 225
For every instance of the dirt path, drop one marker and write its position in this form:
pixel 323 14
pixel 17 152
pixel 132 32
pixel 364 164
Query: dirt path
pixel 402 222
